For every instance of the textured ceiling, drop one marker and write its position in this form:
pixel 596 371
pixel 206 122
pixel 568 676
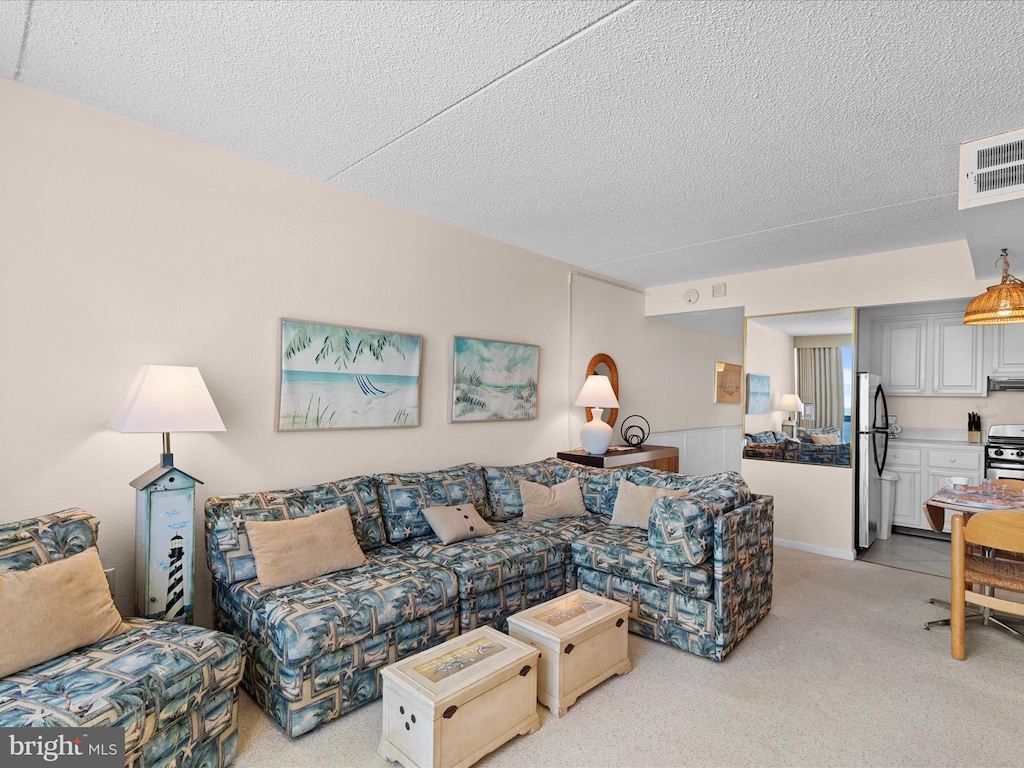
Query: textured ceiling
pixel 654 142
pixel 829 322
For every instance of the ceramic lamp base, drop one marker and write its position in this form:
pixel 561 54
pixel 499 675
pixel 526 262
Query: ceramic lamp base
pixel 596 436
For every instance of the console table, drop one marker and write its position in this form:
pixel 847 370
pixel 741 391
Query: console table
pixel 662 457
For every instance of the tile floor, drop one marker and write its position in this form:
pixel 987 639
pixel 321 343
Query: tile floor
pixel 911 553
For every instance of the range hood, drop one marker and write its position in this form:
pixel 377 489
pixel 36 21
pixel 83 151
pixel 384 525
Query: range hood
pixel 991 200
pixel 1005 383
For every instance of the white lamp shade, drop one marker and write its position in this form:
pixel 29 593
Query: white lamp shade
pixel 791 403
pixel 167 398
pixel 597 392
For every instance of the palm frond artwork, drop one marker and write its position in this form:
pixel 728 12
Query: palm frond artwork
pixel 340 377
pixel 493 380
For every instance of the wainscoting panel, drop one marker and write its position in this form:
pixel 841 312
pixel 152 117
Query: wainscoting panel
pixel 704 451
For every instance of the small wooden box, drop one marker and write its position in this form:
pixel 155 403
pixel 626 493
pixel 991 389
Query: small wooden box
pixel 452 704
pixel 583 640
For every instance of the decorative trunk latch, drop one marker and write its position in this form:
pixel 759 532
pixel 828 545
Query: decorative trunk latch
pixel 449 712
pixel 569 647
pixel 619 622
pixel 524 671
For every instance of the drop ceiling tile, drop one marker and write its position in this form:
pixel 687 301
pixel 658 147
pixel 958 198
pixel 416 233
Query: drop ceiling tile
pixel 309 86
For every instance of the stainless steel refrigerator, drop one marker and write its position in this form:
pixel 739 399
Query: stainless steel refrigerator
pixel 872 446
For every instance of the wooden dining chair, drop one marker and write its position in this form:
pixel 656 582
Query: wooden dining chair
pixel 1016 485
pixel 997 533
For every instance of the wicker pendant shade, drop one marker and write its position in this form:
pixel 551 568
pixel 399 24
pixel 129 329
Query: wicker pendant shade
pixel 1003 303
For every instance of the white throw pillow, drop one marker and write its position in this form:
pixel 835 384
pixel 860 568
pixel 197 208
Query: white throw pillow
pixel 633 503
pixel 544 502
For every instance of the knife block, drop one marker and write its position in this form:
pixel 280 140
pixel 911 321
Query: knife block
pixel 974 436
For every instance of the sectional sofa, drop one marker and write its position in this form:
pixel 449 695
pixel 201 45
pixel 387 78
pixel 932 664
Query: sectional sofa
pixel 173 687
pixel 698 578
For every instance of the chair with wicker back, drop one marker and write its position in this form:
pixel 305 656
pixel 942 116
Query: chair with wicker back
pixel 1003 534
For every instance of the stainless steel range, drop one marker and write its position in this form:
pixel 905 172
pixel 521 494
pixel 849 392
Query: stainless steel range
pixel 1004 452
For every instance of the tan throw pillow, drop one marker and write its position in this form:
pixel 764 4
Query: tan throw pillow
pixel 287 551
pixel 633 503
pixel 543 502
pixel 829 439
pixel 53 609
pixel 456 523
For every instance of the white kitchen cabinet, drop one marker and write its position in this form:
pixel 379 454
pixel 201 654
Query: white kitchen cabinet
pixel 903 355
pixel 1005 348
pixel 923 468
pixel 931 355
pixel 957 361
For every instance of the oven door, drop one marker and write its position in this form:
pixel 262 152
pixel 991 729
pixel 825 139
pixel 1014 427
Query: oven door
pixel 996 470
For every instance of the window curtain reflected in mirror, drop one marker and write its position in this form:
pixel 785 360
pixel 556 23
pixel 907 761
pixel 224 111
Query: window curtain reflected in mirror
pixel 821 383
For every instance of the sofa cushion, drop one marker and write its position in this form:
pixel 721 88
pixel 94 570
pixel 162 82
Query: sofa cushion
pixel 766 437
pixel 456 523
pixel 228 551
pixel 503 486
pixel 404 495
pixel 681 531
pixel 633 503
pixel 303 621
pixel 599 486
pixel 27 543
pixel 287 551
pixel 724 491
pixel 547 502
pixel 488 562
pixel 807 432
pixel 624 552
pixel 53 609
pixel 565 529
pixel 152 675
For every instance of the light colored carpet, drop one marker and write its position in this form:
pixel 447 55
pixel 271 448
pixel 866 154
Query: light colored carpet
pixel 840 672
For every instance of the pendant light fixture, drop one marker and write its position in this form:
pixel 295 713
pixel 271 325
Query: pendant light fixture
pixel 1003 303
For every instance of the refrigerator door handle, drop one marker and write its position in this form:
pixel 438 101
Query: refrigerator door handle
pixel 878 429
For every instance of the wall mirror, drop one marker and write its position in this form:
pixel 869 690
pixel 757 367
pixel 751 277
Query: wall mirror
pixel 603 365
pixel 798 387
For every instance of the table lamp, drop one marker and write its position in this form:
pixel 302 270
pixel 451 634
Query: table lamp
pixel 597 394
pixel 165 399
pixel 793 404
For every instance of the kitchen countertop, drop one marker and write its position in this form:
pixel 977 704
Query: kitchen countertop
pixel 951 437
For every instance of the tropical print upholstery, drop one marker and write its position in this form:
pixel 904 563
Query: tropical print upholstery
pixel 623 551
pixel 503 486
pixel 801 453
pixel 766 437
pixel 303 621
pixel 742 589
pixel 227 544
pixel 806 432
pixel 315 649
pixel 403 497
pixel 680 531
pixel 515 566
pixel 27 543
pixel 723 490
pixel 172 687
pixel 599 486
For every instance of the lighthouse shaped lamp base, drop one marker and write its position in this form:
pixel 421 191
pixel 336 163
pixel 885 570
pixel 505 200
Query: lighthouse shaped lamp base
pixel 165 503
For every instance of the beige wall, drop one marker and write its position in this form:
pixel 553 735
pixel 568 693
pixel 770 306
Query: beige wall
pixel 124 245
pixel 769 353
pixel 814 505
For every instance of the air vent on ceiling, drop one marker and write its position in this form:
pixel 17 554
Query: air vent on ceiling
pixel 995 167
pixel 992 199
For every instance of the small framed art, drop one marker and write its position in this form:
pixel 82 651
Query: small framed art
pixel 758 393
pixel 728 382
pixel 493 380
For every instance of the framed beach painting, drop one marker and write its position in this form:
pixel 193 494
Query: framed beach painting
pixel 339 377
pixel 728 381
pixel 758 392
pixel 493 380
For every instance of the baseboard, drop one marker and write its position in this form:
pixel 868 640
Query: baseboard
pixel 839 554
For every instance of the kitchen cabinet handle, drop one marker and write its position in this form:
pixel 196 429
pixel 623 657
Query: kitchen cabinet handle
pixel 953 460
